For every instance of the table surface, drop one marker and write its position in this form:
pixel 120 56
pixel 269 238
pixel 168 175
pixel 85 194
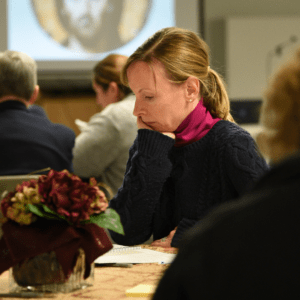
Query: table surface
pixel 110 283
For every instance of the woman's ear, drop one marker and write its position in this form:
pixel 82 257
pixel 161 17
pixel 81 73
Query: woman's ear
pixel 95 86
pixel 192 88
pixel 113 89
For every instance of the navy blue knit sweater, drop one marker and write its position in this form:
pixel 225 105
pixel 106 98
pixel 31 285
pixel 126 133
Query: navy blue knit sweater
pixel 165 186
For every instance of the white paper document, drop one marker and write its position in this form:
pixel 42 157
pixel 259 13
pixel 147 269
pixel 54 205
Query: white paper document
pixel 134 255
pixel 81 124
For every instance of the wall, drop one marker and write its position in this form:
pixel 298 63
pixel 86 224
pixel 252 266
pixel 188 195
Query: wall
pixel 255 48
pixel 216 11
pixel 65 108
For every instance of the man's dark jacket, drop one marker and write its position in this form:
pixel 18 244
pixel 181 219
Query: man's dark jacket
pixel 29 141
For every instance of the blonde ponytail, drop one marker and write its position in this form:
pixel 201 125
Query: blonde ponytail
pixel 215 97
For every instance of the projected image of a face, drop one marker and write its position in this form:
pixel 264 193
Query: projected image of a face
pixel 84 21
pixel 92 26
pixel 84 16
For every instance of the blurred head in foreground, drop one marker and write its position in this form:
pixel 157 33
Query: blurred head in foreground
pixel 280 114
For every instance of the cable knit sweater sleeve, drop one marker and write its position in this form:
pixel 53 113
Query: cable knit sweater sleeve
pixel 147 170
pixel 243 163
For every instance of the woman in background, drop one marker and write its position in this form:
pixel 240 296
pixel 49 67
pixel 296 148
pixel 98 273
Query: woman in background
pixel 102 148
pixel 189 155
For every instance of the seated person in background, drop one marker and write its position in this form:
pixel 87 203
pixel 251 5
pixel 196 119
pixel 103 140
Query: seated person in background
pixel 29 140
pixel 189 155
pixel 249 249
pixel 102 148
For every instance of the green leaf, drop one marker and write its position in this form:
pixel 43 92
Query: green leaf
pixel 35 210
pixel 52 214
pixel 44 211
pixel 109 219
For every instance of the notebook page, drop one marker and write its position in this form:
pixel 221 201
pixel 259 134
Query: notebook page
pixel 134 255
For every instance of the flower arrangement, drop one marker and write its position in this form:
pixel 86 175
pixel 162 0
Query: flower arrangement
pixel 61 196
pixel 57 213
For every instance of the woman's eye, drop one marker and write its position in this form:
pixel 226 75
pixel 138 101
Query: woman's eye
pixel 148 97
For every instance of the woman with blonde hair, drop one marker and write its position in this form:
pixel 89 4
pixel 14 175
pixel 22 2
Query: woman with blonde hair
pixel 249 249
pixel 101 149
pixel 189 155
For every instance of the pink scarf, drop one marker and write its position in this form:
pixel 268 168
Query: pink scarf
pixel 195 126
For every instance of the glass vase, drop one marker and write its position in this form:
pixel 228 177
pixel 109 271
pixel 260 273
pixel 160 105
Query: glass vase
pixel 43 273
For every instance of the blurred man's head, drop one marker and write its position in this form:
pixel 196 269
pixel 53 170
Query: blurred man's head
pixel 18 75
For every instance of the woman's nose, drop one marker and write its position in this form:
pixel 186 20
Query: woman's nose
pixel 138 109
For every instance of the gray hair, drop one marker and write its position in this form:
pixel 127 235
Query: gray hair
pixel 18 74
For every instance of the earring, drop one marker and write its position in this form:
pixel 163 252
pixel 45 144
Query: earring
pixel 190 100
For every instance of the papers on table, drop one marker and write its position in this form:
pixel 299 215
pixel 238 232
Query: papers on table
pixel 134 255
pixel 141 290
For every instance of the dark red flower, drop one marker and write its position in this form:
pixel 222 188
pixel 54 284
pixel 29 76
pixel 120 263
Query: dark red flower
pixel 67 195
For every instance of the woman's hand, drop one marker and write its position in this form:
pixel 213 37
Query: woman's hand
pixel 164 242
pixel 142 125
pixel 170 134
